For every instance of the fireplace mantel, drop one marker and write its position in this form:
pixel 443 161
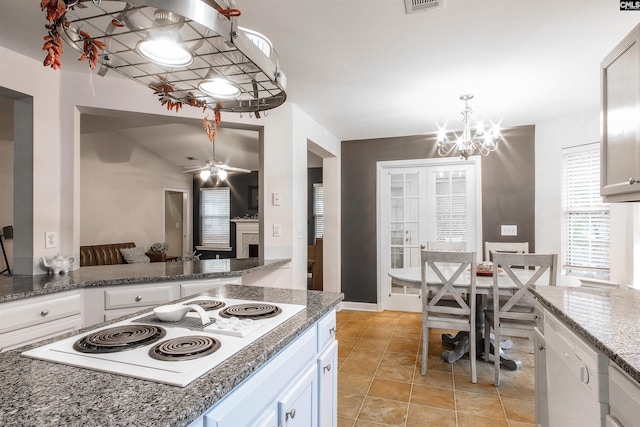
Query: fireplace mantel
pixel 247 233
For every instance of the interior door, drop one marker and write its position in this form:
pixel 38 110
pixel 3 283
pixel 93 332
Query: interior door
pixel 403 206
pixel 428 200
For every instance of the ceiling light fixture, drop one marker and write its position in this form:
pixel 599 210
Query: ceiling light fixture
pixel 218 87
pixel 483 141
pixel 165 50
pixel 168 45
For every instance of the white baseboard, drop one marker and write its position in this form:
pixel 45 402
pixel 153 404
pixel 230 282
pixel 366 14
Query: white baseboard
pixel 358 306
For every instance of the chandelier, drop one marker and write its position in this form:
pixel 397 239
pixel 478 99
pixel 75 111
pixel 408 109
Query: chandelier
pixel 481 140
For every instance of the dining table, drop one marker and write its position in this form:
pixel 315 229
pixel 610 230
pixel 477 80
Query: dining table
pixel 411 277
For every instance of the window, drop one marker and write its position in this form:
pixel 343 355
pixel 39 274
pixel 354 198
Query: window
pixel 585 216
pixel 318 210
pixel 214 216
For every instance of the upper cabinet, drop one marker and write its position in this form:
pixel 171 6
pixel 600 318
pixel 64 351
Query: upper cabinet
pixel 620 127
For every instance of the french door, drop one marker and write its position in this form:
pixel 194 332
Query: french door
pixel 420 201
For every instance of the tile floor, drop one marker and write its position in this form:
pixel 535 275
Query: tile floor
pixel 379 381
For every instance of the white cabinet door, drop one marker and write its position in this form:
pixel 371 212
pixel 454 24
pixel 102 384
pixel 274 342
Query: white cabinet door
pixel 297 408
pixel 327 386
pixel 620 111
pixel 269 420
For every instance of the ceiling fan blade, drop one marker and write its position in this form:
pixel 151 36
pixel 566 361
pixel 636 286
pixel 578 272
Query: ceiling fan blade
pixel 231 168
pixel 195 169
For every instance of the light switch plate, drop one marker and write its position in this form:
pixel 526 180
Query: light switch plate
pixel 50 239
pixel 277 230
pixel 509 230
pixel 276 199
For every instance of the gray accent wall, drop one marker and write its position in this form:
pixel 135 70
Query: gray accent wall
pixel 508 198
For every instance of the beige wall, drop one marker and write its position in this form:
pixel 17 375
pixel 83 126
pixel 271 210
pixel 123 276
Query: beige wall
pixel 122 191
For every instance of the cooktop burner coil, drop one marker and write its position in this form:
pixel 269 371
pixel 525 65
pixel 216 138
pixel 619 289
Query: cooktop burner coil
pixel 184 348
pixel 119 338
pixel 208 304
pixel 251 311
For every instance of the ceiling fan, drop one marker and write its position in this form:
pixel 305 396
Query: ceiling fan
pixel 214 168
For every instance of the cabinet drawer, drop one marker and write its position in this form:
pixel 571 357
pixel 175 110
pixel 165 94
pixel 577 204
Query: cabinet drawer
pixel 138 297
pixel 326 329
pixel 31 334
pixel 20 314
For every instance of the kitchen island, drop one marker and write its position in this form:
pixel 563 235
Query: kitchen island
pixel 17 287
pixel 43 393
pixel 608 319
pixel 587 356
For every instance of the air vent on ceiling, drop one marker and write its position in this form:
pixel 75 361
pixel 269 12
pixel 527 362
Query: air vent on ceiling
pixel 414 6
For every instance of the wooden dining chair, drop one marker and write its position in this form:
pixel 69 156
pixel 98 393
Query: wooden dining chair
pixel 514 314
pixel 447 308
pixel 491 248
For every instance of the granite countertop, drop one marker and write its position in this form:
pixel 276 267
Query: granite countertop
pixel 42 393
pixel 606 318
pixel 17 287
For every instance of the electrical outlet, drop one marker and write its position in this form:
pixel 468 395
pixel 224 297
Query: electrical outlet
pixel 276 199
pixel 50 239
pixel 277 230
pixel 509 230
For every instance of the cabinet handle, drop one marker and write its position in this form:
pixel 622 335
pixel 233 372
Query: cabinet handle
pixel 540 347
pixel 291 414
pixel 332 331
pixel 138 298
pixel 633 181
pixel 327 368
pixel 44 312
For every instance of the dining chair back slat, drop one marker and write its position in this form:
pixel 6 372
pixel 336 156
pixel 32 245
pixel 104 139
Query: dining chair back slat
pixel 449 307
pixel 446 246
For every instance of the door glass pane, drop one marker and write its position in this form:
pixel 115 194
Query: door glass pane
pixel 413 209
pixel 397 209
pixel 397 185
pixel 397 257
pixel 411 185
pixel 397 233
pixel 414 257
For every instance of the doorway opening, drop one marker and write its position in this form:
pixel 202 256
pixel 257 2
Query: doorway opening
pixel 176 222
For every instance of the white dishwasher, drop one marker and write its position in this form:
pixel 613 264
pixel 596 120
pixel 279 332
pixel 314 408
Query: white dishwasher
pixel 577 381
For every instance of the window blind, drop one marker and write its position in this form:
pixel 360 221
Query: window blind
pixel 451 206
pixel 214 216
pixel 585 217
pixel 318 210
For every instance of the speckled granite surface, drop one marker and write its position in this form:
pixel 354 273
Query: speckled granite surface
pixel 38 393
pixel 607 318
pixel 16 287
